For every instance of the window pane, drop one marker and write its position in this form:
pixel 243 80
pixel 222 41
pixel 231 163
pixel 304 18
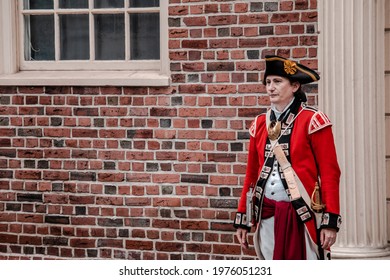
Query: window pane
pixel 109 4
pixel 39 38
pixel 37 4
pixel 73 4
pixel 74 37
pixel 145 36
pixel 110 37
pixel 144 3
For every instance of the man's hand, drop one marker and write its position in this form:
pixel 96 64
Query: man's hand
pixel 327 237
pixel 242 236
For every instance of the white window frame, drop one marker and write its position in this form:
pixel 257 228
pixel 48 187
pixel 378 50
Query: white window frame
pixel 15 73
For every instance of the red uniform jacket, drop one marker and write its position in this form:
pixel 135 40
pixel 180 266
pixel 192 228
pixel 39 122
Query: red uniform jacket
pixel 313 156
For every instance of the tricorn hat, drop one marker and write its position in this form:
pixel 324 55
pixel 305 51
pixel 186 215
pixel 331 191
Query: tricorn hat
pixel 280 66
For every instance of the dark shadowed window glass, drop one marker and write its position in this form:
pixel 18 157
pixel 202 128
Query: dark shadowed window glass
pixel 37 4
pixel 74 37
pixel 73 4
pixel 110 37
pixel 39 32
pixel 145 36
pixel 109 4
pixel 144 3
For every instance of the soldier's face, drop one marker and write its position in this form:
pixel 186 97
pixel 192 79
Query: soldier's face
pixel 280 90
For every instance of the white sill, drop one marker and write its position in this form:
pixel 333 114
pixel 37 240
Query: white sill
pixel 84 78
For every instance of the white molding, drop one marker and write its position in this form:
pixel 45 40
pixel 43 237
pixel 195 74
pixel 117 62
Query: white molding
pixel 84 78
pixel 164 38
pixel 8 40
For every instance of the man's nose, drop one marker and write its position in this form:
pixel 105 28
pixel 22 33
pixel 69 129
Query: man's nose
pixel 271 86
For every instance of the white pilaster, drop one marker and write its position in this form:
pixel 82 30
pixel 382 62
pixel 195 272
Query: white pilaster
pixel 351 92
pixel 8 33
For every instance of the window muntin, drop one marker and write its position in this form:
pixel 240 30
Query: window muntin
pixel 90 35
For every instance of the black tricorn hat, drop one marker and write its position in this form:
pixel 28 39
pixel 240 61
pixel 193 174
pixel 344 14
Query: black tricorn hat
pixel 280 66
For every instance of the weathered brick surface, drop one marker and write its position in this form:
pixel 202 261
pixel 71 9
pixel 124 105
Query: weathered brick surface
pixel 147 172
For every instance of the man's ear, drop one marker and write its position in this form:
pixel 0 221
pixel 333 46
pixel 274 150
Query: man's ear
pixel 296 86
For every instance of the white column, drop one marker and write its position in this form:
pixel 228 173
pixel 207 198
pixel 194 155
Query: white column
pixel 351 92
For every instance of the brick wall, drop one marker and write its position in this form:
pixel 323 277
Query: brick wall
pixel 147 173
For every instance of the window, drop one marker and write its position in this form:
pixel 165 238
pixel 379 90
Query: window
pixel 124 42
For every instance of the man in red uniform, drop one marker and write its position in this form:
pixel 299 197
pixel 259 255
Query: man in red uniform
pixel 280 187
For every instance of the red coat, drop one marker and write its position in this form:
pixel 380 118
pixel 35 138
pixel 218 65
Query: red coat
pixel 313 155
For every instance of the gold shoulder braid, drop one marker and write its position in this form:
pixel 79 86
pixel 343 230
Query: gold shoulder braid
pixel 316 203
pixel 274 129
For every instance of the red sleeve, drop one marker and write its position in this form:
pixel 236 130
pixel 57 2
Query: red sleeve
pixel 252 173
pixel 324 150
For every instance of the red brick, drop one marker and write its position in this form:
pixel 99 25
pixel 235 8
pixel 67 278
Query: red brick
pixel 286 5
pixel 196 9
pixel 56 175
pixel 111 177
pixel 193 67
pixel 8 238
pixel 171 224
pixel 210 8
pixel 223 43
pixel 241 8
pixel 283 30
pixel 166 202
pixel 83 243
pixel 139 245
pixel 195 21
pixel 220 66
pixel 282 41
pixel 299 52
pixel 308 40
pixel 194 225
pixel 30 218
pixel 60 111
pixel 192 88
pixel 30 240
pixel 191 134
pixel 178 55
pixel 254 19
pixel 285 17
pixel 57 153
pixel 195 202
pixel 28 174
pixel 226 249
pixel 313 4
pixel 301 4
pixel 170 246
pixel 178 10
pixel 222 20
pixel 252 43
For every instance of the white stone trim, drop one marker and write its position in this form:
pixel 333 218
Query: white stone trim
pixel 84 78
